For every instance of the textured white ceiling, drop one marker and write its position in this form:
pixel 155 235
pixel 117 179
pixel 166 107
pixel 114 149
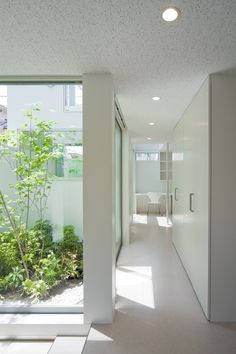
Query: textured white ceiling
pixel 129 39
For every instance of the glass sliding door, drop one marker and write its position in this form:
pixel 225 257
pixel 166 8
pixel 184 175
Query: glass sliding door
pixel 118 169
pixel 41 208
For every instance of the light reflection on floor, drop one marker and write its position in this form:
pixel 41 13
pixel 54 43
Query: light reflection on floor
pixel 163 221
pixel 140 218
pixel 130 279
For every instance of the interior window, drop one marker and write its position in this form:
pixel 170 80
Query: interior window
pixel 146 156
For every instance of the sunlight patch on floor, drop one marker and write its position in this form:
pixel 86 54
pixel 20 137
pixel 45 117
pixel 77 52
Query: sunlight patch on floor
pixel 163 221
pixel 130 280
pixel 140 219
pixel 95 335
pixel 147 271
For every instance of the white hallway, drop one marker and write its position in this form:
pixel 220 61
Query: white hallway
pixel 157 310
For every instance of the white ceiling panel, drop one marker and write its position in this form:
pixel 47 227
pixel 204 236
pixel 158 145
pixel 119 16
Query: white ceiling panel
pixel 147 56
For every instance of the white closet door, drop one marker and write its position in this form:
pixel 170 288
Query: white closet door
pixel 191 235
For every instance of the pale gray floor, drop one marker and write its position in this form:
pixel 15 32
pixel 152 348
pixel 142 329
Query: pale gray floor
pixel 157 311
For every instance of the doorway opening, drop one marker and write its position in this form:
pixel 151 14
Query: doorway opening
pixel 152 176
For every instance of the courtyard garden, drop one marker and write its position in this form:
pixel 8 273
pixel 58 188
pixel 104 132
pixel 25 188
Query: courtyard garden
pixel 33 265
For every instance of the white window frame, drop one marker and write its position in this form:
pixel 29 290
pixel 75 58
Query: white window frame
pixel 38 308
pixel 3 96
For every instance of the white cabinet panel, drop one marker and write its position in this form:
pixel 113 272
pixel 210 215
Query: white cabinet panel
pixel 205 237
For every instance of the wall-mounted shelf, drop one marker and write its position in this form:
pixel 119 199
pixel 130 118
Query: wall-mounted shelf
pixel 165 164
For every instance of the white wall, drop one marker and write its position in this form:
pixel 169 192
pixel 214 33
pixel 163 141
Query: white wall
pixel 65 202
pixel 147 176
pixel 223 198
pixel 51 101
pixel 7 177
pixel 147 147
pixel 65 206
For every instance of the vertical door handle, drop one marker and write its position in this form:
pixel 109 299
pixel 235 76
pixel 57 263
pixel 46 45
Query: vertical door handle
pixel 191 195
pixel 176 189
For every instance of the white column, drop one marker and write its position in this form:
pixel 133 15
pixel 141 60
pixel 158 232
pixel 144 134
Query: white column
pixel 98 196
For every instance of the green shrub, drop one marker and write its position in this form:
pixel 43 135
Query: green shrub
pixel 44 227
pixel 70 241
pixel 15 278
pixel 48 262
pixel 9 253
pixel 32 243
pixel 49 269
pixel 3 284
pixel 36 289
pixel 70 265
pixel 70 250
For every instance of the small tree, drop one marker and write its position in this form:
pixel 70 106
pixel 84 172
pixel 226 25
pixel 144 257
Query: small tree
pixel 29 153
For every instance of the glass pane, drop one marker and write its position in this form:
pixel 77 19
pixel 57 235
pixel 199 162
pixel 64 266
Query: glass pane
pixel 3 101
pixel 118 164
pixel 3 90
pixel 153 156
pixel 41 201
pixel 141 156
pixel 70 162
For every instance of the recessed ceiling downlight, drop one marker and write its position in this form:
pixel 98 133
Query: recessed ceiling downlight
pixel 156 98
pixel 170 14
pixel 149 138
pixel 151 123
